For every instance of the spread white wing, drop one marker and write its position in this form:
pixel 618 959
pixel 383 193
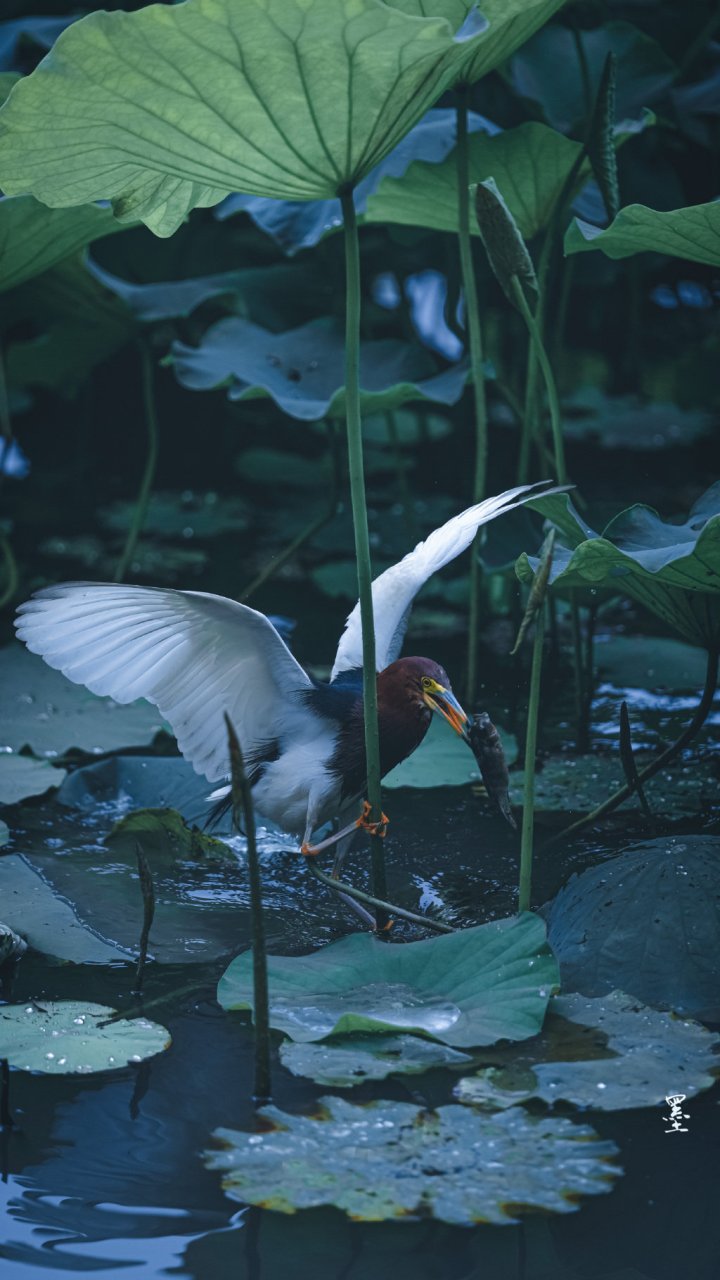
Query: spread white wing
pixel 194 655
pixel 394 591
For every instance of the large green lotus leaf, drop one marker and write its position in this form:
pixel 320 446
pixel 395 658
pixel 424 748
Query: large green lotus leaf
pixel 48 924
pixel 121 784
pixel 392 1160
pixel 443 760
pixel 529 163
pixel 41 709
pixel 471 987
pixel 609 1053
pixel 21 776
pixel 578 784
pixel 692 233
pixel 673 569
pixel 646 921
pixel 351 1060
pixel 181 515
pixel 34 238
pixel 550 71
pixel 173 107
pixel 66 1037
pixel 509 24
pixel 303 370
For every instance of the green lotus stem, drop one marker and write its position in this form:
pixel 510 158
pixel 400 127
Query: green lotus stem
pixel 531 409
pixel 528 817
pixel 477 371
pixel 362 541
pixel 700 716
pixel 629 763
pixel 582 728
pixel 291 550
pixel 148 476
pixel 11 571
pixel 242 807
pixel 148 896
pixel 5 420
pixel 550 387
pixel 388 909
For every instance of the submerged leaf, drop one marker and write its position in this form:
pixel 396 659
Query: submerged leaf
pixel 692 233
pixel 351 1060
pixel 466 988
pixel 47 922
pixel 609 1054
pixel 166 829
pixel 303 370
pixel 21 776
pixel 578 784
pixel 647 921
pixel 181 515
pixel 66 1037
pixel 391 1160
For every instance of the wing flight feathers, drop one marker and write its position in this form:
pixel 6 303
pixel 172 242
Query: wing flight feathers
pixel 192 654
pixel 394 591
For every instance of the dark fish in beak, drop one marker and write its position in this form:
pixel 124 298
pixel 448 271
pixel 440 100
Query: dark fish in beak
pixel 484 741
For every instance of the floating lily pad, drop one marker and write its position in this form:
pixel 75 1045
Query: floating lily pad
pixel 411 429
pixel 390 1160
pixel 673 569
pixel 443 760
pixel 181 515
pixel 66 1037
pixel 21 776
pixel 609 1053
pixel 578 784
pixel 351 1060
pixel 692 233
pixel 650 662
pixel 647 921
pixel 466 988
pixel 159 562
pixel 48 924
pixel 628 422
pixel 120 784
pixel 303 370
pixel 277 467
pixel 41 709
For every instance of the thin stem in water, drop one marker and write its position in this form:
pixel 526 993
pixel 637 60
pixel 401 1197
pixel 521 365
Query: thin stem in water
pixel 362 541
pixel 388 908
pixel 148 476
pixel 242 807
pixel 537 600
pixel 11 571
pixel 148 896
pixel 477 370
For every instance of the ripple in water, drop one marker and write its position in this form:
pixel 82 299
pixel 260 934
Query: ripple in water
pixel 395 1003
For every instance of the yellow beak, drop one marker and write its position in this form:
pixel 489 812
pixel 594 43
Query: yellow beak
pixel 444 701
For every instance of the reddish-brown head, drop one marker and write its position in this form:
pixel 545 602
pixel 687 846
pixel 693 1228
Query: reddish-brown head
pixel 409 690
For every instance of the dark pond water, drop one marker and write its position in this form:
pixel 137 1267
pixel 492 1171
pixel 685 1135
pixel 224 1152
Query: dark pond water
pixel 105 1174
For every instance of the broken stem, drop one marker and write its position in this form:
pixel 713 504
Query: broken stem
pixel 701 713
pixel 388 909
pixel 148 895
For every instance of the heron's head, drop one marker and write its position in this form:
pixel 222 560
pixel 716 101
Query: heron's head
pixel 427 686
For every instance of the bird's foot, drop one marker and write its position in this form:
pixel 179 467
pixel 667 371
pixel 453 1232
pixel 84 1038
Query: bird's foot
pixel 309 850
pixel 386 928
pixel 372 828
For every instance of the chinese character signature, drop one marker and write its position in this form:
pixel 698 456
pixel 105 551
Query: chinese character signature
pixel 677 1115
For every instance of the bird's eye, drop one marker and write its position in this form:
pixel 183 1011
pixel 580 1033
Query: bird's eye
pixel 427 683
